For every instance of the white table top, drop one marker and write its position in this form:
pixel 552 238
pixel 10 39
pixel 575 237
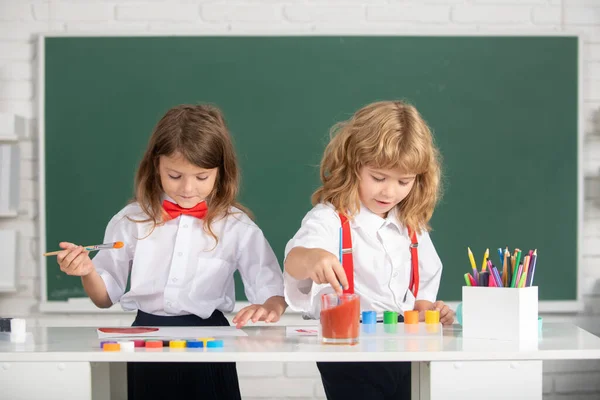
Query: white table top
pixel 269 343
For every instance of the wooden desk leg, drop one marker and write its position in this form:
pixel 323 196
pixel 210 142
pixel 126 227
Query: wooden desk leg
pixel 490 380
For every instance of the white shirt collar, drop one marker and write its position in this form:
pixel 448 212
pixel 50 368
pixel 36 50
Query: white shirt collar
pixel 372 222
pixel 392 218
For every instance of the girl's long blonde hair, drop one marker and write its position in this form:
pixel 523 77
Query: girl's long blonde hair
pixel 199 133
pixel 386 135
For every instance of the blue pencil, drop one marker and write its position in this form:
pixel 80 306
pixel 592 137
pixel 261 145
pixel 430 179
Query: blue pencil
pixel 501 255
pixel 341 237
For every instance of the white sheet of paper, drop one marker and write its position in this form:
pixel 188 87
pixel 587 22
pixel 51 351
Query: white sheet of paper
pixel 180 332
pixel 310 330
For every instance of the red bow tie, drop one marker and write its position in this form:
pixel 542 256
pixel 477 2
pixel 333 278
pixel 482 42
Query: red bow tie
pixel 174 210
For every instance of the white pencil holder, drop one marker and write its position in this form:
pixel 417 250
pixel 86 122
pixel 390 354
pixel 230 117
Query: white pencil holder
pixel 500 313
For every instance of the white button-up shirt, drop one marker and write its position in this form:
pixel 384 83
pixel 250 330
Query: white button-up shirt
pixel 382 261
pixel 179 269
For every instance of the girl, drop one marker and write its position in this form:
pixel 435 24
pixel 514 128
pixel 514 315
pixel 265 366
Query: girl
pixel 380 180
pixel 184 236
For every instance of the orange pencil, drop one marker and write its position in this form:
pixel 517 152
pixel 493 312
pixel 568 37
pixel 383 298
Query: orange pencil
pixel 513 260
pixel 525 269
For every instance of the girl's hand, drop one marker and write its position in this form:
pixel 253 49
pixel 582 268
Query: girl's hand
pixel 270 311
pixel 74 260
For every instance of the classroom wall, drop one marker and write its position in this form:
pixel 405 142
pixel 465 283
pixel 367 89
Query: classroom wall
pixel 21 20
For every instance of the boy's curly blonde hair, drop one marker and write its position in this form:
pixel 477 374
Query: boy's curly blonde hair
pixel 385 135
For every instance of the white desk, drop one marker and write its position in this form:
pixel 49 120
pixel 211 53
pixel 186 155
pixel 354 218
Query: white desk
pixel 67 363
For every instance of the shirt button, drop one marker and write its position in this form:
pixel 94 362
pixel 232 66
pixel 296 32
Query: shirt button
pixel 168 304
pixel 174 279
pixel 185 226
pixel 180 254
pixel 395 274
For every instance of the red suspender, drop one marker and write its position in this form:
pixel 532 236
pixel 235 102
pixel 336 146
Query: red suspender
pixel 348 261
pixel 414 262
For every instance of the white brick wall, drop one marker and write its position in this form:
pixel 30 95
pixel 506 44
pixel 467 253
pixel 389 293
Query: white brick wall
pixel 15 11
pixel 157 12
pixel 21 20
pixel 241 12
pixel 492 14
pixel 409 13
pixel 73 11
pixel 546 15
pixel 324 12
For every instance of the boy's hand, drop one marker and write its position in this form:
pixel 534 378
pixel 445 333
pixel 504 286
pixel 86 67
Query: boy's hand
pixel 270 311
pixel 324 267
pixel 446 314
pixel 74 260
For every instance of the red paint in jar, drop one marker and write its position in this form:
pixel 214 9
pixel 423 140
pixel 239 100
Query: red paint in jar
pixel 340 318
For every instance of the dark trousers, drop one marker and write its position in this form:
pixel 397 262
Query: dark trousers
pixel 172 380
pixel 366 380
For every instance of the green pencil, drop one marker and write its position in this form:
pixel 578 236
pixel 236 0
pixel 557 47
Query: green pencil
pixel 467 280
pixel 517 261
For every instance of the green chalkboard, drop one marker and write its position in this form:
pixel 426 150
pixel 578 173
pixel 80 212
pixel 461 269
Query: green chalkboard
pixel 504 111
